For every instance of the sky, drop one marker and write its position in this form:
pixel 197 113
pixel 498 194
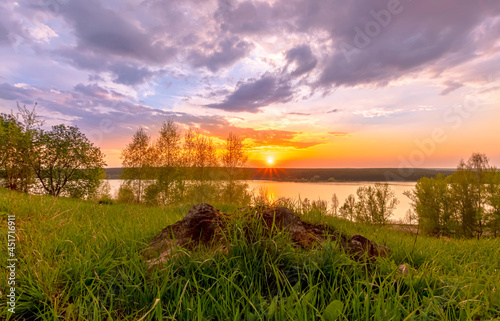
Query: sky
pixel 307 83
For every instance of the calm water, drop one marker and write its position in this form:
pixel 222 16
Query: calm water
pixel 315 191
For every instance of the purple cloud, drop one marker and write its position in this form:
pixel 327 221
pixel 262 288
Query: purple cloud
pixel 319 44
pixel 304 59
pixel 9 92
pixel 129 74
pixel 224 54
pixel 99 29
pixel 450 86
pixel 251 95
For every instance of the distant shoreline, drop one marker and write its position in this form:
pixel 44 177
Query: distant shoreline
pixel 324 174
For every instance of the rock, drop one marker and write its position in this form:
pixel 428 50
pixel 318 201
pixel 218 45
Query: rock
pixel 204 225
pixel 403 269
pixel 363 249
pixel 303 234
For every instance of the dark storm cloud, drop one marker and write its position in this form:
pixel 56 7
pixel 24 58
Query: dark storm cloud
pixel 251 95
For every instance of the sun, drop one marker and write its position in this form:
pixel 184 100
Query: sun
pixel 270 160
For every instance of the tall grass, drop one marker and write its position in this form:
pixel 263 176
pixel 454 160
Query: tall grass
pixel 81 261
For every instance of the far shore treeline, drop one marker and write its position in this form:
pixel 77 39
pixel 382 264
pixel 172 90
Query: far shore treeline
pixel 324 174
pixel 187 167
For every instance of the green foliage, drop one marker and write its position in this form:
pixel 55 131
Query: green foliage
pixel 333 311
pixel 177 169
pixel 233 158
pixel 137 163
pixel 68 163
pixel 235 192
pixel 375 203
pixel 167 161
pixel 57 162
pixel 431 201
pixel 126 195
pixel 81 261
pixel 492 217
pixel 465 203
pixel 348 209
pixel 18 135
pixel 105 200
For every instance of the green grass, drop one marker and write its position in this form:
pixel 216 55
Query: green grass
pixel 81 261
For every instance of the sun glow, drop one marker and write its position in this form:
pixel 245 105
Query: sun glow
pixel 270 160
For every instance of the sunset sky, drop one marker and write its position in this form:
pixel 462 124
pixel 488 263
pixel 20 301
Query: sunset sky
pixel 307 83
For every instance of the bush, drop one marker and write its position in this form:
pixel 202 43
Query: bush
pixel 125 195
pixel 106 200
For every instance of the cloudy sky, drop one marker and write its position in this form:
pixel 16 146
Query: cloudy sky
pixel 312 83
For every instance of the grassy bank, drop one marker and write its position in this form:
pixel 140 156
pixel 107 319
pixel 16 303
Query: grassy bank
pixel 80 261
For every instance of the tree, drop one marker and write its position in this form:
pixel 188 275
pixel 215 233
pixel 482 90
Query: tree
pixel 200 155
pixel 137 159
pixel 410 217
pixel 335 204
pixel 167 162
pixel 468 185
pixel 431 200
pixel 366 204
pixel 11 136
pixel 18 134
pixel 68 163
pixel 376 203
pixel 125 194
pixel 348 209
pixel 465 202
pixel 493 201
pixel 233 159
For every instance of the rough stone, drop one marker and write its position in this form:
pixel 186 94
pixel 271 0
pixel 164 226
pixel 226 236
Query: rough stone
pixel 204 225
pixel 364 249
pixel 404 269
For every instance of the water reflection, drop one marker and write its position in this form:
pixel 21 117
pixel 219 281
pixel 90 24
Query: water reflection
pixel 317 191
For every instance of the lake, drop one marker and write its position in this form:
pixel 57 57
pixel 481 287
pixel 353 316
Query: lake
pixel 318 190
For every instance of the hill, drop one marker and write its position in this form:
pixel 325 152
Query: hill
pixel 79 260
